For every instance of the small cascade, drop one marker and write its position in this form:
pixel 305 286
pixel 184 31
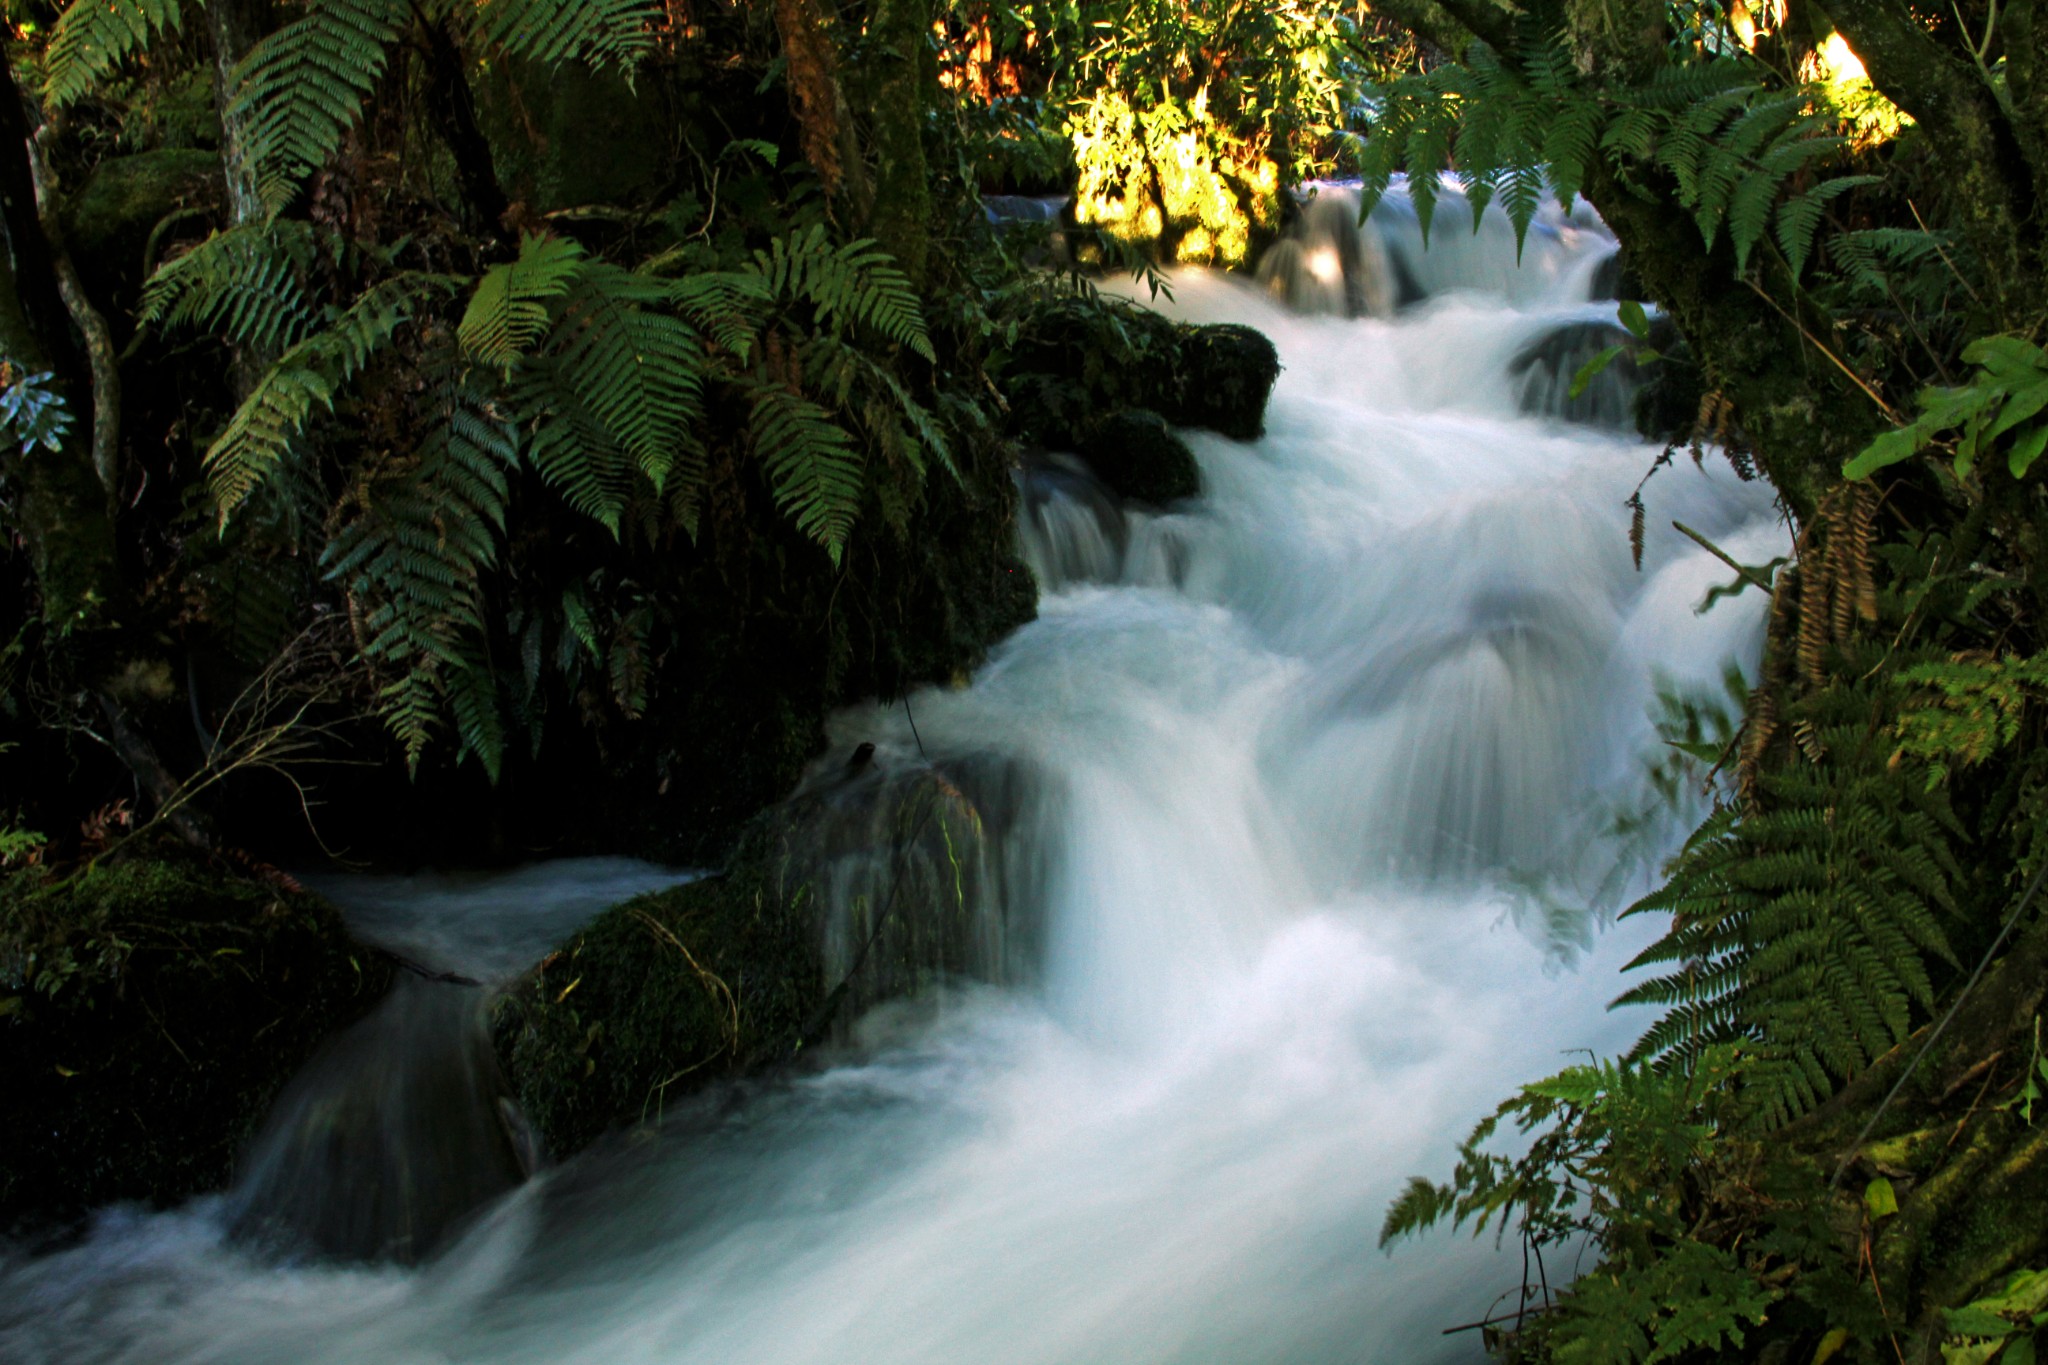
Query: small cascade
pixel 1546 368
pixel 402 1126
pixel 1071 529
pixel 1328 263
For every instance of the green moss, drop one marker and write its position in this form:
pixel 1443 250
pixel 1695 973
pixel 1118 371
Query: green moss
pixel 865 891
pixel 109 221
pixel 1080 361
pixel 1139 456
pixel 153 1008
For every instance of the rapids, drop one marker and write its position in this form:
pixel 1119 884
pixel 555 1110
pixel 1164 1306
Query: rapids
pixel 1310 763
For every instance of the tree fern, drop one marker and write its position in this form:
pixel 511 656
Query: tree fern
pixel 244 284
pixel 602 32
pixel 814 471
pixel 307 378
pixel 302 87
pixel 92 37
pixel 1806 926
pixel 413 562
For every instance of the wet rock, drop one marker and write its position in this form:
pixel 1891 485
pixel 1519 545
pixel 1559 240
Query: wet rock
pixel 150 1011
pixel 1227 374
pixel 1079 359
pixel 1545 368
pixel 868 887
pixel 1140 457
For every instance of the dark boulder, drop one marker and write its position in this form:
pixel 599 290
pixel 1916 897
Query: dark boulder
pixel 1227 373
pixel 864 889
pixel 150 1011
pixel 1078 358
pixel 108 222
pixel 1140 457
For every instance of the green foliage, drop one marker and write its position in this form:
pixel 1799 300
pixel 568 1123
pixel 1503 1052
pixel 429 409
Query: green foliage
pixel 849 286
pixel 302 87
pixel 415 557
pixel 245 283
pixel 1617 1154
pixel 1733 145
pixel 603 33
pixel 596 377
pixel 32 413
pixel 1971 709
pixel 2009 1326
pixel 2003 399
pixel 1806 924
pixel 812 465
pixel 307 378
pixel 509 313
pixel 93 37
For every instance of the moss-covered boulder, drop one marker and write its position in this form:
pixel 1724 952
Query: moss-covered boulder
pixel 864 889
pixel 108 221
pixel 1079 363
pixel 1139 456
pixel 150 1011
pixel 1227 373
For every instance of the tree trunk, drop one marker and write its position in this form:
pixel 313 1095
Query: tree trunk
pixel 236 25
pixel 900 34
pixel 64 513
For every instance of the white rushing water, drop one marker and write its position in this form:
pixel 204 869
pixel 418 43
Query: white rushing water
pixel 1301 749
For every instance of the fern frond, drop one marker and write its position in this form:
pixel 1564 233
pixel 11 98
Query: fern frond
pixel 243 284
pixel 306 378
pixel 814 471
pixel 725 305
pixel 1805 926
pixel 639 371
pixel 92 37
pixel 302 87
pixel 413 564
pixel 600 32
pixel 854 285
pixel 510 311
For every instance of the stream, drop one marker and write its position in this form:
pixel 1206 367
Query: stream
pixel 1321 772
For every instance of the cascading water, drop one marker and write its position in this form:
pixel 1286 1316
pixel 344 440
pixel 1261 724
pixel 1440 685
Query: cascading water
pixel 1281 765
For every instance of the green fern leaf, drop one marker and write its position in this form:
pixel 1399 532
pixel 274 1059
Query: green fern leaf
pixel 814 471
pixel 302 87
pixel 243 284
pixel 305 379
pixel 511 309
pixel 92 37
pixel 600 32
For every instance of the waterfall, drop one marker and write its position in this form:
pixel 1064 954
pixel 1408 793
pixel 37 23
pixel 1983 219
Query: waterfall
pixel 1295 777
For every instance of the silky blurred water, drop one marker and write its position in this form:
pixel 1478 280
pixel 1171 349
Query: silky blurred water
pixel 1308 764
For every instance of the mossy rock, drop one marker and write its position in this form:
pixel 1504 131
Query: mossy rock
pixel 1076 359
pixel 567 136
pixel 1139 456
pixel 153 1009
pixel 108 221
pixel 864 890
pixel 1227 374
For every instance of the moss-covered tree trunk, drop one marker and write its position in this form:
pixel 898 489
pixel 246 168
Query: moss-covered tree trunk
pixel 63 510
pixel 899 36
